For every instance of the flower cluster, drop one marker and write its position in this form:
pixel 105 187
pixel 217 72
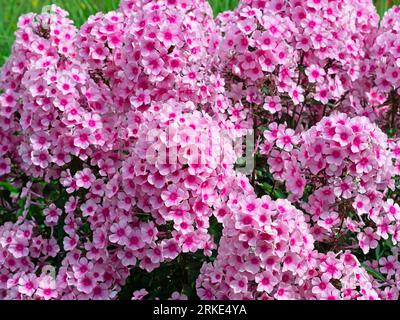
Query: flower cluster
pixel 118 150
pixel 387 51
pixel 150 51
pixel 28 271
pixel 389 269
pixel 376 94
pixel 294 59
pixel 135 179
pixel 346 165
pixel 267 252
pixel 40 81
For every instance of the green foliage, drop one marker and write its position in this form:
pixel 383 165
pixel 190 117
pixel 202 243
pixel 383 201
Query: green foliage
pixel 384 5
pixel 163 281
pixel 373 272
pixel 8 186
pixel 222 5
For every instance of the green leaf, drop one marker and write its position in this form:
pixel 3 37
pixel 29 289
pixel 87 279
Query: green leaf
pixel 387 244
pixel 373 272
pixel 378 252
pixel 279 194
pixel 215 229
pixel 7 186
pixel 241 162
pixel 382 6
pixel 266 187
pixel 391 132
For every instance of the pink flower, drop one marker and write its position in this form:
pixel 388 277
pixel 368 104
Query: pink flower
pixel 239 284
pixel 92 122
pixel 84 178
pixel 362 204
pixel 343 136
pixel 272 104
pixel 296 185
pixel 169 35
pixel 153 64
pixel 52 214
pixel 296 93
pixel 329 220
pixel 82 139
pixel 142 97
pixel 70 242
pixel 266 281
pixel 66 85
pixel 135 241
pixel 178 296
pixel 40 158
pixel 315 74
pixel 89 208
pixel 139 294
pixel 5 166
pixel 47 288
pixel 331 268
pixel 389 265
pixel 19 248
pixel 170 249
pixel 99 52
pixel 335 156
pixel 189 242
pixel 364 165
pixel 173 195
pixel 27 284
pixel 119 232
pixel 367 240
pixel 286 139
pixel 392 209
pixel 86 283
pixel 321 285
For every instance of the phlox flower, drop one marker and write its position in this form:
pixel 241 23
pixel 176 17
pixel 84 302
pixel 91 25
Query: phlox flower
pixel 52 214
pixel 5 166
pixel 388 265
pixel 286 139
pixel 367 240
pixel 89 208
pixel 178 296
pixel 82 138
pixel 27 284
pixel 266 281
pixel 19 247
pixel 328 220
pixel 40 158
pixel 239 284
pixel 272 104
pixel 392 209
pixel 170 249
pixel 120 232
pixel 46 288
pixel 153 64
pixel 84 178
pixel 315 74
pixel 173 195
pixel 139 294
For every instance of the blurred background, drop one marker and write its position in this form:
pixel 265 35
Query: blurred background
pixel 79 10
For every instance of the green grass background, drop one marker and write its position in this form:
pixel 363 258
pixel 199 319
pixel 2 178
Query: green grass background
pixel 79 10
